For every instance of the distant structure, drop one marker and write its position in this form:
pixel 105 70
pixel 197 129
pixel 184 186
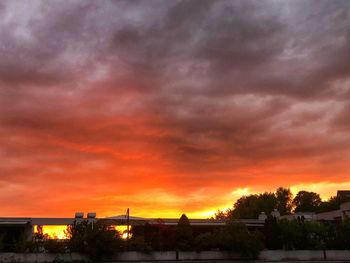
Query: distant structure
pixel 12 228
pixel 275 213
pixel 332 216
pixel 343 194
pixel 262 216
pixel 336 215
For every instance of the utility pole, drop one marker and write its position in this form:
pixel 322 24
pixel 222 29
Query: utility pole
pixel 127 227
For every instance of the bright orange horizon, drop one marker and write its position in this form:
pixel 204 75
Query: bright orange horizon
pixel 170 107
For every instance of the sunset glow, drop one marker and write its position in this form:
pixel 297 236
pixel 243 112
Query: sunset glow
pixel 54 232
pixel 123 230
pixel 170 107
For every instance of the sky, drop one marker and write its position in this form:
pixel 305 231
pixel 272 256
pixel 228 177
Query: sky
pixel 170 107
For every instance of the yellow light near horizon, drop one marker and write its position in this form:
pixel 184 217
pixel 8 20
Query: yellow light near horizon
pixel 54 231
pixel 123 230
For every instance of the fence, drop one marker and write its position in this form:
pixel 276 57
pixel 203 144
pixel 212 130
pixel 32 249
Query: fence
pixel 266 255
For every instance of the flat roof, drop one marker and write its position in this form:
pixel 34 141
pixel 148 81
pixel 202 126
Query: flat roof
pixel 123 221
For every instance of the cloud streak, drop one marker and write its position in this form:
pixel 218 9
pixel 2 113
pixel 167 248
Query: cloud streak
pixel 169 100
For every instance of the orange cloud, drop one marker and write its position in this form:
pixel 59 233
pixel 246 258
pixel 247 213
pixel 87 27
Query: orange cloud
pixel 110 105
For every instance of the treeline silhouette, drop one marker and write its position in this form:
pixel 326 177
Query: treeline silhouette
pixel 225 232
pixel 282 200
pixel 98 240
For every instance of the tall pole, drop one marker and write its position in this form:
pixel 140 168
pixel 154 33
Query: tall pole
pixel 127 227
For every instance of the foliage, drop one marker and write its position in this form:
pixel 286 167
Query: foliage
pixel 184 237
pixel 237 238
pixel 306 201
pixel 221 215
pixel 77 234
pixel 233 237
pixel 272 233
pixel 93 238
pixel 251 206
pixel 55 246
pixel 205 241
pixel 22 244
pixel 39 238
pixel 290 234
pixel 139 244
pixel 39 234
pixel 341 236
pixel 300 234
pixel 284 200
pixel 1 242
pixel 333 203
pixel 160 237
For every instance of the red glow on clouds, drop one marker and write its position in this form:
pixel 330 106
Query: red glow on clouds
pixel 110 105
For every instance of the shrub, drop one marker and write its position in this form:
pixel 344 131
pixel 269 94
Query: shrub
pixel 55 246
pixel 93 238
pixel 341 238
pixel 22 244
pixel 272 233
pixel 205 241
pixel 299 234
pixel 237 238
pixel 1 242
pixel 139 244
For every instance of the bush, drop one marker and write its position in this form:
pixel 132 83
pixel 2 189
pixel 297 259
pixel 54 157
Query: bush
pixel 55 246
pixel 341 236
pixel 237 238
pixel 315 235
pixel 300 234
pixel 272 233
pixel 139 244
pixel 1 242
pixel 160 237
pixel 205 241
pixel 93 238
pixel 22 244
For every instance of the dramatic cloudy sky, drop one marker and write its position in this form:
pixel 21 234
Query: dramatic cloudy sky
pixel 170 106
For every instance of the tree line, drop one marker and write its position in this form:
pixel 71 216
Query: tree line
pixel 248 207
pixel 99 240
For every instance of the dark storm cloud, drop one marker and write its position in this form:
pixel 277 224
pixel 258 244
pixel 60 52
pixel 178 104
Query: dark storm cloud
pixel 180 90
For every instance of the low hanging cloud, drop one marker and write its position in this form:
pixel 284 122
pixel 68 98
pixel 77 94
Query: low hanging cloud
pixel 106 101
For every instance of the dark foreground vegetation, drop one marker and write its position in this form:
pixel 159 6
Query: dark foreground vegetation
pixel 97 239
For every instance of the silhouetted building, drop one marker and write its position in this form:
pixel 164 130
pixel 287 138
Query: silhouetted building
pixel 343 194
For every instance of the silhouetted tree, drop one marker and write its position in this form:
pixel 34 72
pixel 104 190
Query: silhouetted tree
pixel 306 201
pixel 333 203
pixel 252 205
pixel 284 200
pixel 272 233
pixel 221 215
pixel 96 239
pixel 184 237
